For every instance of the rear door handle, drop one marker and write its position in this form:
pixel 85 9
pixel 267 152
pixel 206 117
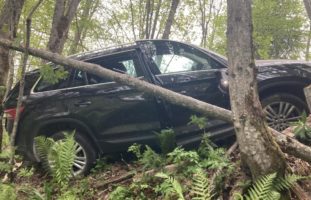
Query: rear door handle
pixel 83 103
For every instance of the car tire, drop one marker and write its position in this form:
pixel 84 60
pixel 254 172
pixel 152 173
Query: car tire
pixel 86 154
pixel 282 109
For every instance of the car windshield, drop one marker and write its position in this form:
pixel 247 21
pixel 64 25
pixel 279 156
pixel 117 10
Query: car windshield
pixel 219 57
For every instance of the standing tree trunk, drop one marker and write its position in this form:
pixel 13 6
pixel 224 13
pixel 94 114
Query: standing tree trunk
pixel 88 10
pixel 259 151
pixel 170 19
pixel 308 7
pixel 308 43
pixel 9 19
pixel 64 12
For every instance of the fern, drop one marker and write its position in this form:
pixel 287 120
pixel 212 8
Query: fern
pixel 61 158
pixel 167 140
pixel 7 192
pixel 42 147
pixel 302 130
pixel 57 156
pixel 287 182
pixel 263 188
pixel 200 186
pixel 172 185
pixel 269 187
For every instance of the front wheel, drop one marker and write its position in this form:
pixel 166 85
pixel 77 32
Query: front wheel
pixel 283 109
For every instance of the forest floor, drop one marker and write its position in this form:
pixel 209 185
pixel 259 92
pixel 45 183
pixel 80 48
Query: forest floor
pixel 127 177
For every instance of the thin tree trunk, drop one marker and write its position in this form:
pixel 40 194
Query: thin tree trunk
pixel 289 145
pixel 307 92
pixel 64 12
pixel 21 88
pixel 259 151
pixel 10 78
pixel 308 43
pixel 9 19
pixel 81 24
pixel 170 19
pixel 132 19
pixel 155 20
pixel 308 7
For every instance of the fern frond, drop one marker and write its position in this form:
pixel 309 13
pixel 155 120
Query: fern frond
pixel 263 188
pixel 174 185
pixel 200 186
pixel 42 147
pixel 287 182
pixel 61 158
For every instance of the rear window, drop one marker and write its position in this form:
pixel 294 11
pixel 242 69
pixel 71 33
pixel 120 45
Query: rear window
pixel 30 80
pixel 45 85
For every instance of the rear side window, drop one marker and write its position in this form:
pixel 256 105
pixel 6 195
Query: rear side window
pixel 125 63
pixel 45 85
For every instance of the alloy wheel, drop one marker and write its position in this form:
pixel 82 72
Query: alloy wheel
pixel 281 114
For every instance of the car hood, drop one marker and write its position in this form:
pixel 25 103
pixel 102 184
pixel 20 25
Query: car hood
pixel 280 62
pixel 283 68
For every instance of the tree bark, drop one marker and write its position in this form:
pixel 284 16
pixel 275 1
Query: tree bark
pixel 259 152
pixel 296 148
pixel 21 88
pixel 308 7
pixel 9 19
pixel 170 19
pixel 64 12
pixel 88 10
pixel 307 92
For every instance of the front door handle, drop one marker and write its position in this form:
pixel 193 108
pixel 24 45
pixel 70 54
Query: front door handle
pixel 83 103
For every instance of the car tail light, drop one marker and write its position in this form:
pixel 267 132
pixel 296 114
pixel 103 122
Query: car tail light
pixel 11 113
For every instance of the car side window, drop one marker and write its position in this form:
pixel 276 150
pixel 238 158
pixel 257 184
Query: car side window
pixel 125 63
pixel 44 85
pixel 176 57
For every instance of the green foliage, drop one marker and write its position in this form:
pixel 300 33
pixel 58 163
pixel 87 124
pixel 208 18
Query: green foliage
pixel 198 121
pixel 4 167
pixel 200 186
pixel 215 159
pixel 170 186
pixel 180 156
pixel 58 156
pixel 278 28
pixel 167 140
pixel 149 158
pixel 68 195
pixel 120 193
pixel 302 130
pixel 23 172
pixel 7 192
pixel 269 187
pixel 186 161
pixel 51 75
pixel 101 165
pixel 136 150
pixel 206 145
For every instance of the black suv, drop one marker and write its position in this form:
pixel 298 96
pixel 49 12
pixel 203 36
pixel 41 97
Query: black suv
pixel 109 117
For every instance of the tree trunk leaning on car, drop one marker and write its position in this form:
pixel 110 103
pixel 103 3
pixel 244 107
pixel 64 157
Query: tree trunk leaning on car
pixel 259 151
pixel 9 18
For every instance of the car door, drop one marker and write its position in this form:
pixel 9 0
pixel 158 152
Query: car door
pixel 119 114
pixel 187 70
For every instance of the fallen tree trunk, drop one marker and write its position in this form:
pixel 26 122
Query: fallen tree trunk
pixel 287 144
pixel 307 91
